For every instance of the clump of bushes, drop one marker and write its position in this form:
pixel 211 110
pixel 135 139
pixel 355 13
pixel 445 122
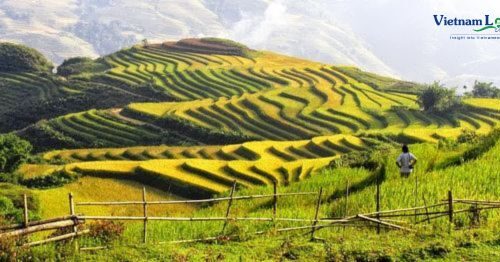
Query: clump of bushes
pixel 12 202
pixel 438 99
pixel 369 159
pixel 106 231
pixel 56 179
pixel 19 58
pixel 468 136
pixel 7 209
pixel 8 249
pixel 484 89
pixel 80 65
pixel 13 152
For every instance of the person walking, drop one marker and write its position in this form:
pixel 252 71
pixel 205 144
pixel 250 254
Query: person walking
pixel 406 161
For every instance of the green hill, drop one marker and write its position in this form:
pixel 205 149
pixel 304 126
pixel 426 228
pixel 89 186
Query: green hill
pixel 19 58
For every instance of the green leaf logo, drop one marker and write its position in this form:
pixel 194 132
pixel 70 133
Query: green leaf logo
pixel 495 27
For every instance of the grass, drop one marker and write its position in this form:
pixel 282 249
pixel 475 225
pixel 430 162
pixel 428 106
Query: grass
pixel 104 189
pixel 430 242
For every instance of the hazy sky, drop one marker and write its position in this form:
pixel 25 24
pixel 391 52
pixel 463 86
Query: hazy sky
pixel 404 35
pixel 392 37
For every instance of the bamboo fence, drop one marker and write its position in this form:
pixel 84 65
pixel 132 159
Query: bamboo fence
pixel 378 219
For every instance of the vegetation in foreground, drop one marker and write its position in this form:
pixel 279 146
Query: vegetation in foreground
pixel 437 172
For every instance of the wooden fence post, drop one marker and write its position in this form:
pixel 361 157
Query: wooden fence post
pixel 25 209
pixel 450 206
pixel 416 196
pixel 145 212
pixel 346 206
pixel 378 204
pixel 316 213
pixel 275 200
pixel 72 213
pixel 426 210
pixel 476 218
pixel 228 210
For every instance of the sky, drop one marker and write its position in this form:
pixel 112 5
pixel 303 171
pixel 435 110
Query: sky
pixel 391 37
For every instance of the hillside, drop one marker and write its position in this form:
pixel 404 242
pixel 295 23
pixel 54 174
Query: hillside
pixel 256 96
pixel 213 91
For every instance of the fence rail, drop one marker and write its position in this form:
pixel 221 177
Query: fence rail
pixel 379 219
pixel 172 202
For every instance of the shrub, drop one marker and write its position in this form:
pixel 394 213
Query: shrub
pixel 436 98
pixel 12 178
pixel 468 136
pixel 370 159
pixel 6 206
pixel 447 143
pixel 80 65
pixel 16 58
pixel 13 152
pixel 106 231
pixel 8 249
pixel 11 203
pixel 56 179
pixel 483 89
pixel 44 137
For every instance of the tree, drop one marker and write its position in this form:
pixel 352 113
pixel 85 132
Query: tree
pixel 13 152
pixel 483 89
pixel 439 99
pixel 20 58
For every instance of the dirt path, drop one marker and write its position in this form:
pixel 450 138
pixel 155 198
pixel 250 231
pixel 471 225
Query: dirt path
pixel 116 112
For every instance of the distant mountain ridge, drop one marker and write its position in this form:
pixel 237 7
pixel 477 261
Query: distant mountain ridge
pixel 68 28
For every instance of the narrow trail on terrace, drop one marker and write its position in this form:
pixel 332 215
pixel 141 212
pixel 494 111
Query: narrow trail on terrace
pixel 116 112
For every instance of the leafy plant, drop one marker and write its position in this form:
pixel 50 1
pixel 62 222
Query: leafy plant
pixel 80 65
pixel 56 179
pixel 106 231
pixel 437 98
pixel 16 58
pixel 484 89
pixel 13 152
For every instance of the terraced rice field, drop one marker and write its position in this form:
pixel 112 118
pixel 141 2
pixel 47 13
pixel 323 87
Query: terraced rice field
pixel 20 87
pixel 211 169
pixel 301 114
pixel 99 127
pixel 269 97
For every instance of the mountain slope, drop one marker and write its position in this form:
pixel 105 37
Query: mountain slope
pixel 299 114
pixel 227 93
pixel 69 28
